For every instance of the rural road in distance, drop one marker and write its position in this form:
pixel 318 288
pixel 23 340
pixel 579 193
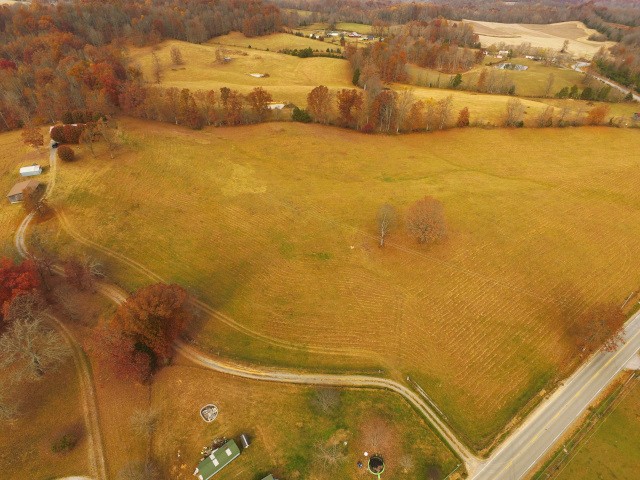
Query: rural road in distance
pixel 539 433
pixel 578 67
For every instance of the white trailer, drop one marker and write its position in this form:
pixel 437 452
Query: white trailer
pixel 31 171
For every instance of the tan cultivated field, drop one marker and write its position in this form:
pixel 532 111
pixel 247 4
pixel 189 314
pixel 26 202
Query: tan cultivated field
pixel 273 225
pixel 550 36
pixel 290 78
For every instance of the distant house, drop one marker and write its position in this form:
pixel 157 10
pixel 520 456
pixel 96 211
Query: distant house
pixel 16 194
pixel 31 170
pixel 503 52
pixel 217 460
pixel 276 106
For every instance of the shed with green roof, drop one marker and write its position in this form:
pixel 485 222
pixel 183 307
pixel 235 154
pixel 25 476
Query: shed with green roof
pixel 269 477
pixel 217 460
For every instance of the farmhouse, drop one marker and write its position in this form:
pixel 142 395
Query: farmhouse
pixel 217 460
pixel 15 195
pixel 31 170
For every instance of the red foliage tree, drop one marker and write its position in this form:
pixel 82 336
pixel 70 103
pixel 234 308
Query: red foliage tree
pixel 463 118
pixel 16 279
pixel 153 317
pixel 66 154
pixel 349 106
pixel 425 220
pixel 120 353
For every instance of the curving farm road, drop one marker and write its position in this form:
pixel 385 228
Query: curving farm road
pixel 513 459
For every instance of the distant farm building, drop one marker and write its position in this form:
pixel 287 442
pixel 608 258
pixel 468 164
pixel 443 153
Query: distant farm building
pixel 31 171
pixel 503 52
pixel 16 194
pixel 276 106
pixel 217 460
pixel 269 477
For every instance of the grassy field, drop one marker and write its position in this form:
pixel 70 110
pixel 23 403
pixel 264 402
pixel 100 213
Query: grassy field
pixel 48 409
pixel 612 452
pixel 550 36
pixel 281 239
pixel 13 155
pixel 274 42
pixel 290 78
pixel 287 428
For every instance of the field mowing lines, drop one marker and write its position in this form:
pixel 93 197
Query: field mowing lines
pixel 213 313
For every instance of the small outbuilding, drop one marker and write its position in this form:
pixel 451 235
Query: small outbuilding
pixel 31 171
pixel 217 460
pixel 16 194
pixel 269 477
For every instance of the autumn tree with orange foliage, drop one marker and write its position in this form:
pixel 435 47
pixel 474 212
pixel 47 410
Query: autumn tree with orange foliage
pixel 259 100
pixel 32 136
pixel 350 104
pixel 153 317
pixel 16 279
pixel 319 104
pixel 425 220
pixel 600 326
pixel 597 115
pixel 128 359
pixel 463 118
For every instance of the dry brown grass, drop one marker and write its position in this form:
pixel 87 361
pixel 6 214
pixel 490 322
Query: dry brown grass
pixel 47 410
pixel 274 225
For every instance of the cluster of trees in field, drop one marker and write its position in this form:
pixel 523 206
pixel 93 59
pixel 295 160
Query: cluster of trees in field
pixel 71 56
pixel 437 44
pixel 424 221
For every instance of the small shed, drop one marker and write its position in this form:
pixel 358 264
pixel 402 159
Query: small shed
pixel 269 477
pixel 217 460
pixel 31 170
pixel 15 195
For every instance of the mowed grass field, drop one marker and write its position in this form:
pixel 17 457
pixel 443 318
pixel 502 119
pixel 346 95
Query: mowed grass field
pixel 47 410
pixel 287 428
pixel 612 452
pixel 529 83
pixel 290 78
pixel 550 36
pixel 274 226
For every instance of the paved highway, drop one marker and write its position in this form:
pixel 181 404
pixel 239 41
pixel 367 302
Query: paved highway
pixel 539 433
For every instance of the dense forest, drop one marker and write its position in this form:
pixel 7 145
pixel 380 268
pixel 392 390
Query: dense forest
pixel 72 56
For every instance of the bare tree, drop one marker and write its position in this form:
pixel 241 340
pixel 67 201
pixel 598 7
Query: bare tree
pixel 404 101
pixel 327 400
pixel 157 68
pixel 329 456
pixel 144 422
pixel 550 80
pixel 545 119
pixel 108 132
pixel 443 111
pixel 406 463
pixel 27 306
pixel 515 113
pixel 31 348
pixel 176 56
pixel 386 221
pixel 425 220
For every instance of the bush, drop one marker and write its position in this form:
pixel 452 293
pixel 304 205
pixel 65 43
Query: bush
pixel 66 154
pixel 65 443
pixel 67 133
pixel 300 115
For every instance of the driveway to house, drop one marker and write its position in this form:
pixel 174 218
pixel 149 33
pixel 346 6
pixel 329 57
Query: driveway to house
pixel 578 67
